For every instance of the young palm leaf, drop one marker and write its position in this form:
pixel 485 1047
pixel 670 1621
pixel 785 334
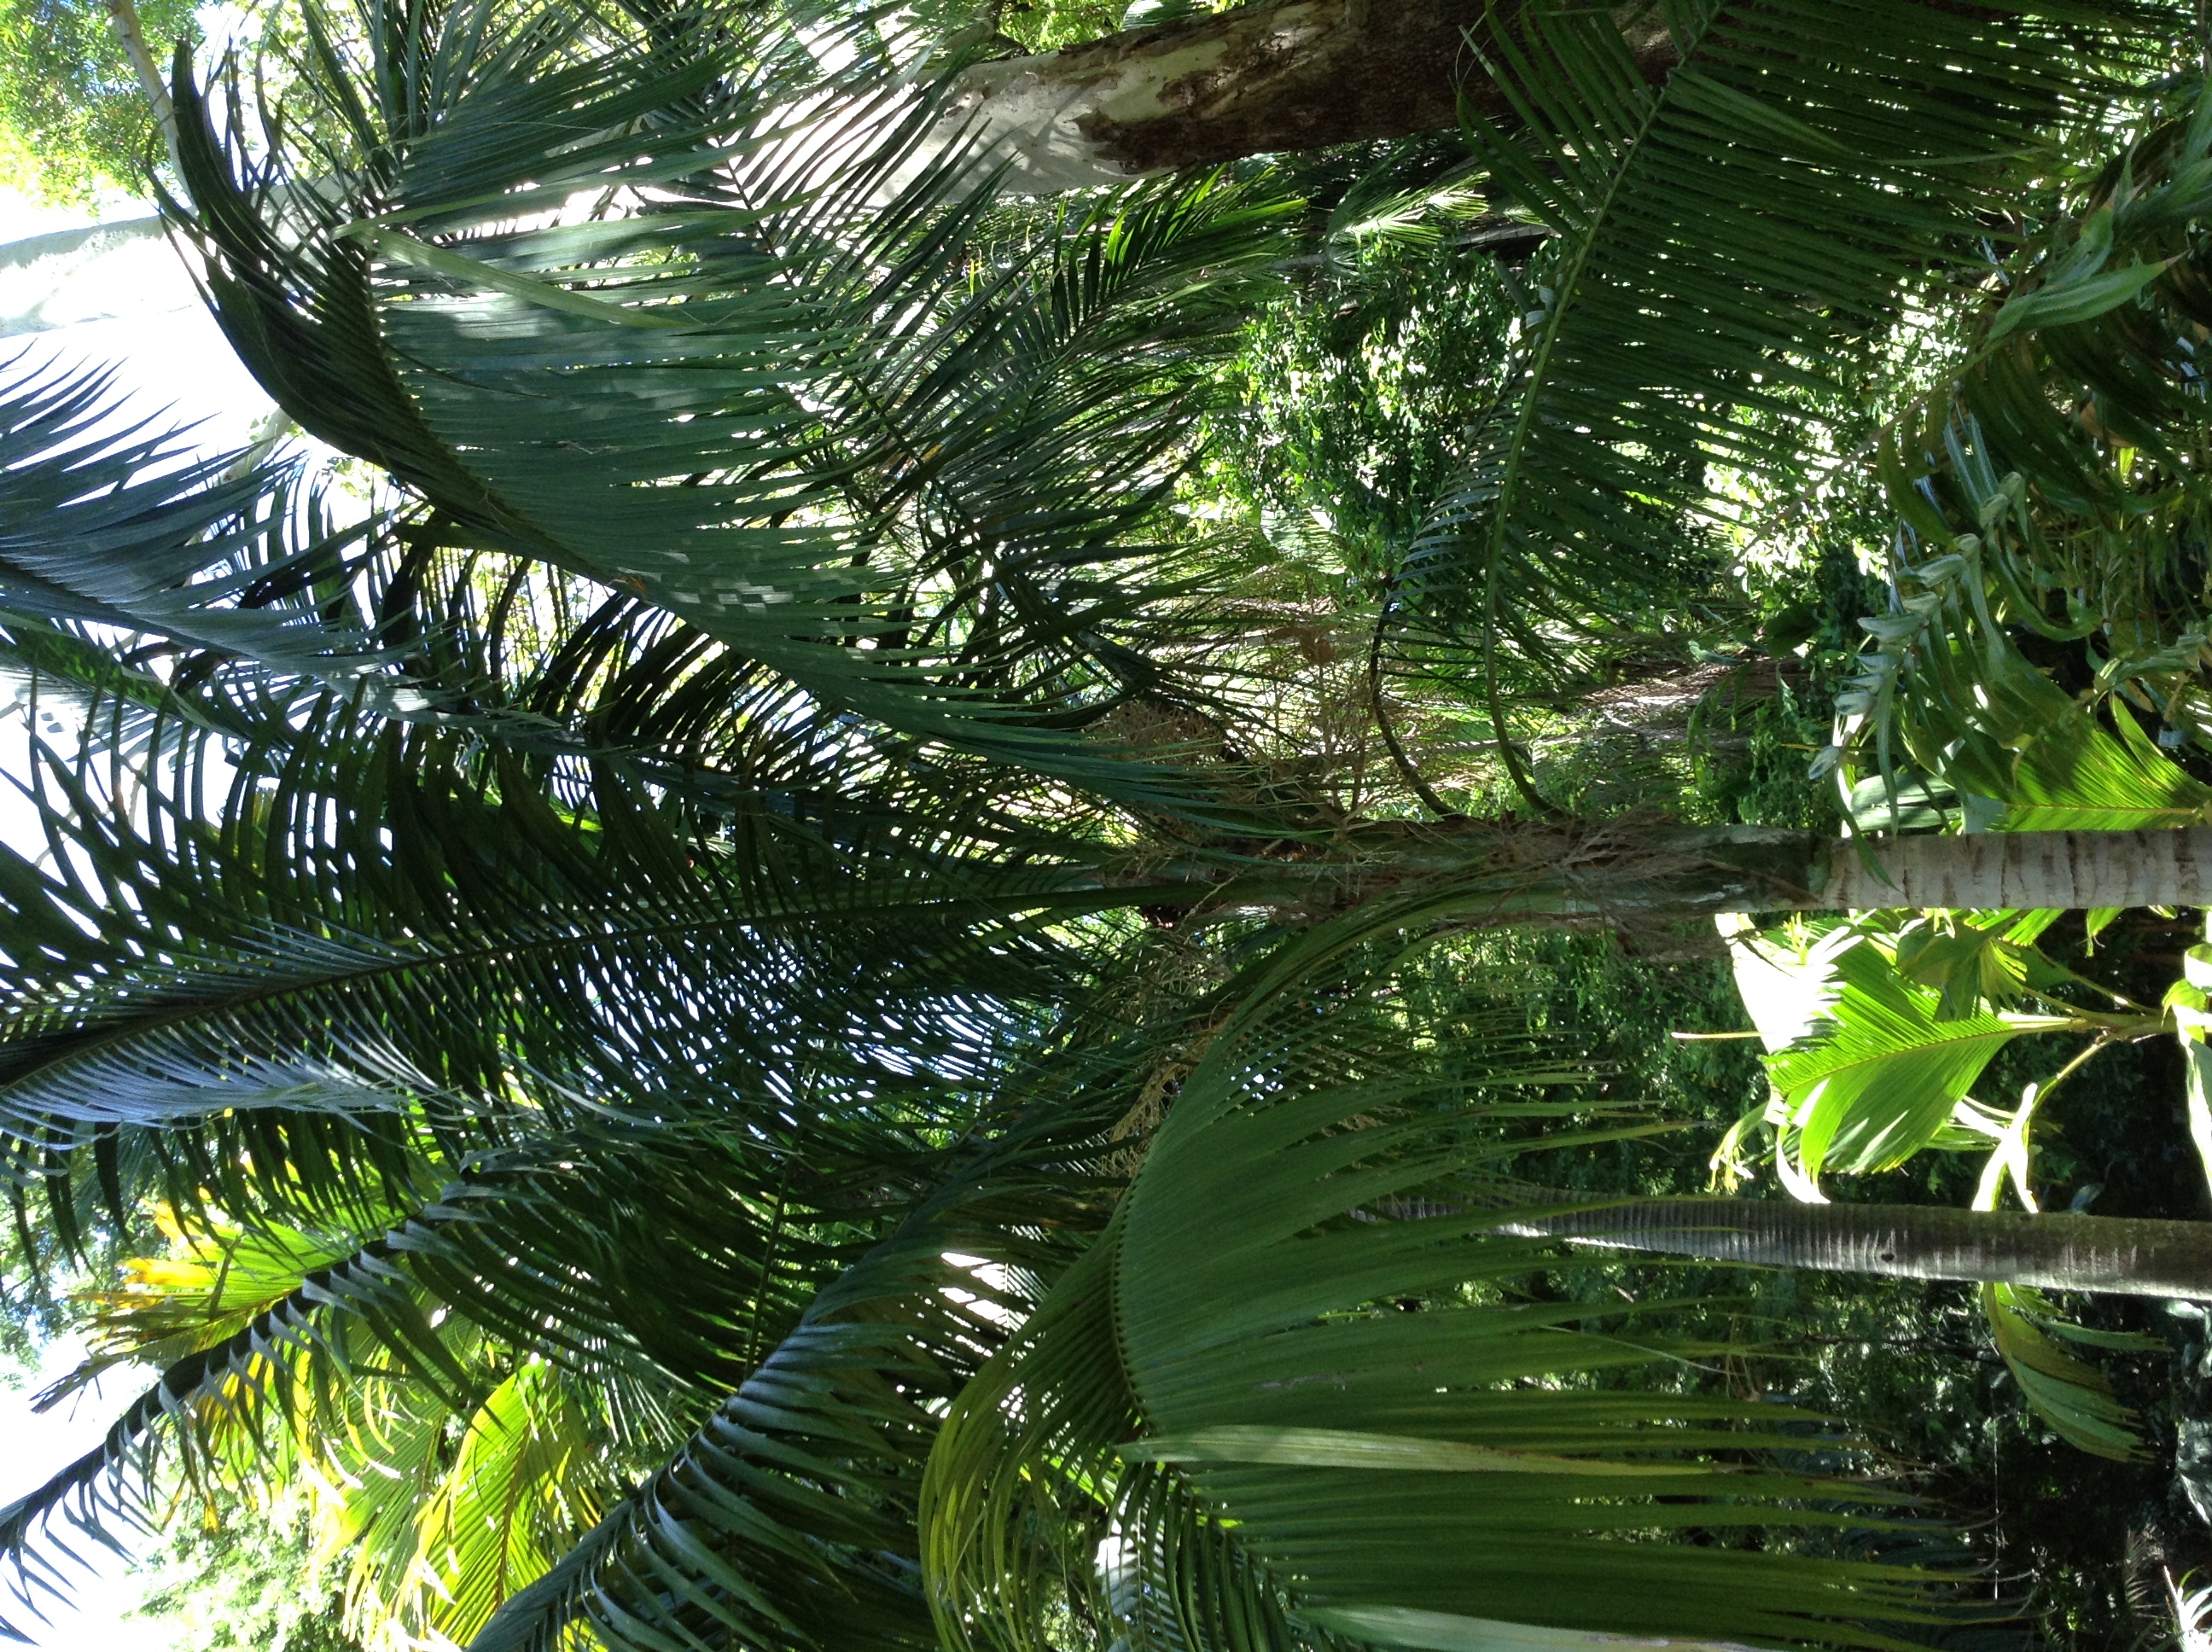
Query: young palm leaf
pixel 1298 1394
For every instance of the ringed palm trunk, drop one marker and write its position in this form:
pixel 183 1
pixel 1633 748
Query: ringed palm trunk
pixel 2126 1256
pixel 1623 871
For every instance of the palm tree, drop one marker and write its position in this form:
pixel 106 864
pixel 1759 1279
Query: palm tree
pixel 910 359
pixel 589 938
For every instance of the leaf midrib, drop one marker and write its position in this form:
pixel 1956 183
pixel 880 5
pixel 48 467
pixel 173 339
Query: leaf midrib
pixel 1056 902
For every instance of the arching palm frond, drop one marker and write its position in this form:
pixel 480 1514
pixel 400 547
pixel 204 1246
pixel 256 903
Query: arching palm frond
pixel 2048 488
pixel 882 434
pixel 159 603
pixel 648 1269
pixel 126 532
pixel 113 526
pixel 352 969
pixel 789 1518
pixel 1304 1393
pixel 1720 240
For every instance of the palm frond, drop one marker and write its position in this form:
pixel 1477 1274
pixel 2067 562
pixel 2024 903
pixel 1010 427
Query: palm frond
pixel 159 603
pixel 2047 485
pixel 375 957
pixel 649 1268
pixel 849 423
pixel 2068 1393
pixel 1877 1077
pixel 1718 241
pixel 788 1519
pixel 1224 1428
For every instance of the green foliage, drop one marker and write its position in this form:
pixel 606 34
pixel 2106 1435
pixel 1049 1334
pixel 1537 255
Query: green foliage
pixel 1312 1205
pixel 1631 376
pixel 2052 557
pixel 692 1156
pixel 2074 1398
pixel 1878 1079
pixel 1915 1365
pixel 241 1580
pixel 921 438
pixel 75 122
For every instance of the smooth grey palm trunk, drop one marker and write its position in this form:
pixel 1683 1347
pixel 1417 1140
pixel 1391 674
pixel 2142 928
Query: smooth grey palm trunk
pixel 1621 871
pixel 2123 1255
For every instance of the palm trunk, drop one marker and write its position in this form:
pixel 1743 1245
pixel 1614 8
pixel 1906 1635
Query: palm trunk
pixel 123 16
pixel 1256 79
pixel 1621 872
pixel 2127 1256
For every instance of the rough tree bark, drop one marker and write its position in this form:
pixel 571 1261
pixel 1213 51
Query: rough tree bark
pixel 1255 80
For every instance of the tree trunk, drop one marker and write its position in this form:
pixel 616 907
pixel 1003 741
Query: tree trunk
pixel 2126 1256
pixel 1623 871
pixel 123 16
pixel 1257 80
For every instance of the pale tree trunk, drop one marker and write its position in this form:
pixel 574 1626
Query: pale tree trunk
pixel 1623 871
pixel 123 17
pixel 1255 80
pixel 1991 870
pixel 2122 1255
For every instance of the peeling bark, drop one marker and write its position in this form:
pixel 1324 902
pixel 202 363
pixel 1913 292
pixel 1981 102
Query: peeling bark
pixel 1259 79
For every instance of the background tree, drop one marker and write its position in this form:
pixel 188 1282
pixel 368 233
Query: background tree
pixel 78 117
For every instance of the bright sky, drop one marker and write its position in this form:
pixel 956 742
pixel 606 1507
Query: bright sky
pixel 35 1448
pixel 172 363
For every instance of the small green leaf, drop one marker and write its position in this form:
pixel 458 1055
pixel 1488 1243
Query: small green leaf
pixel 1878 1083
pixel 2073 1397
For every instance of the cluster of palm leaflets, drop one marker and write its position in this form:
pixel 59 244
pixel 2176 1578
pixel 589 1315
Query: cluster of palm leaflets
pixel 1877 1029
pixel 674 307
pixel 1880 1026
pixel 1877 1032
pixel 560 1026
pixel 1303 1392
pixel 1718 241
pixel 2050 489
